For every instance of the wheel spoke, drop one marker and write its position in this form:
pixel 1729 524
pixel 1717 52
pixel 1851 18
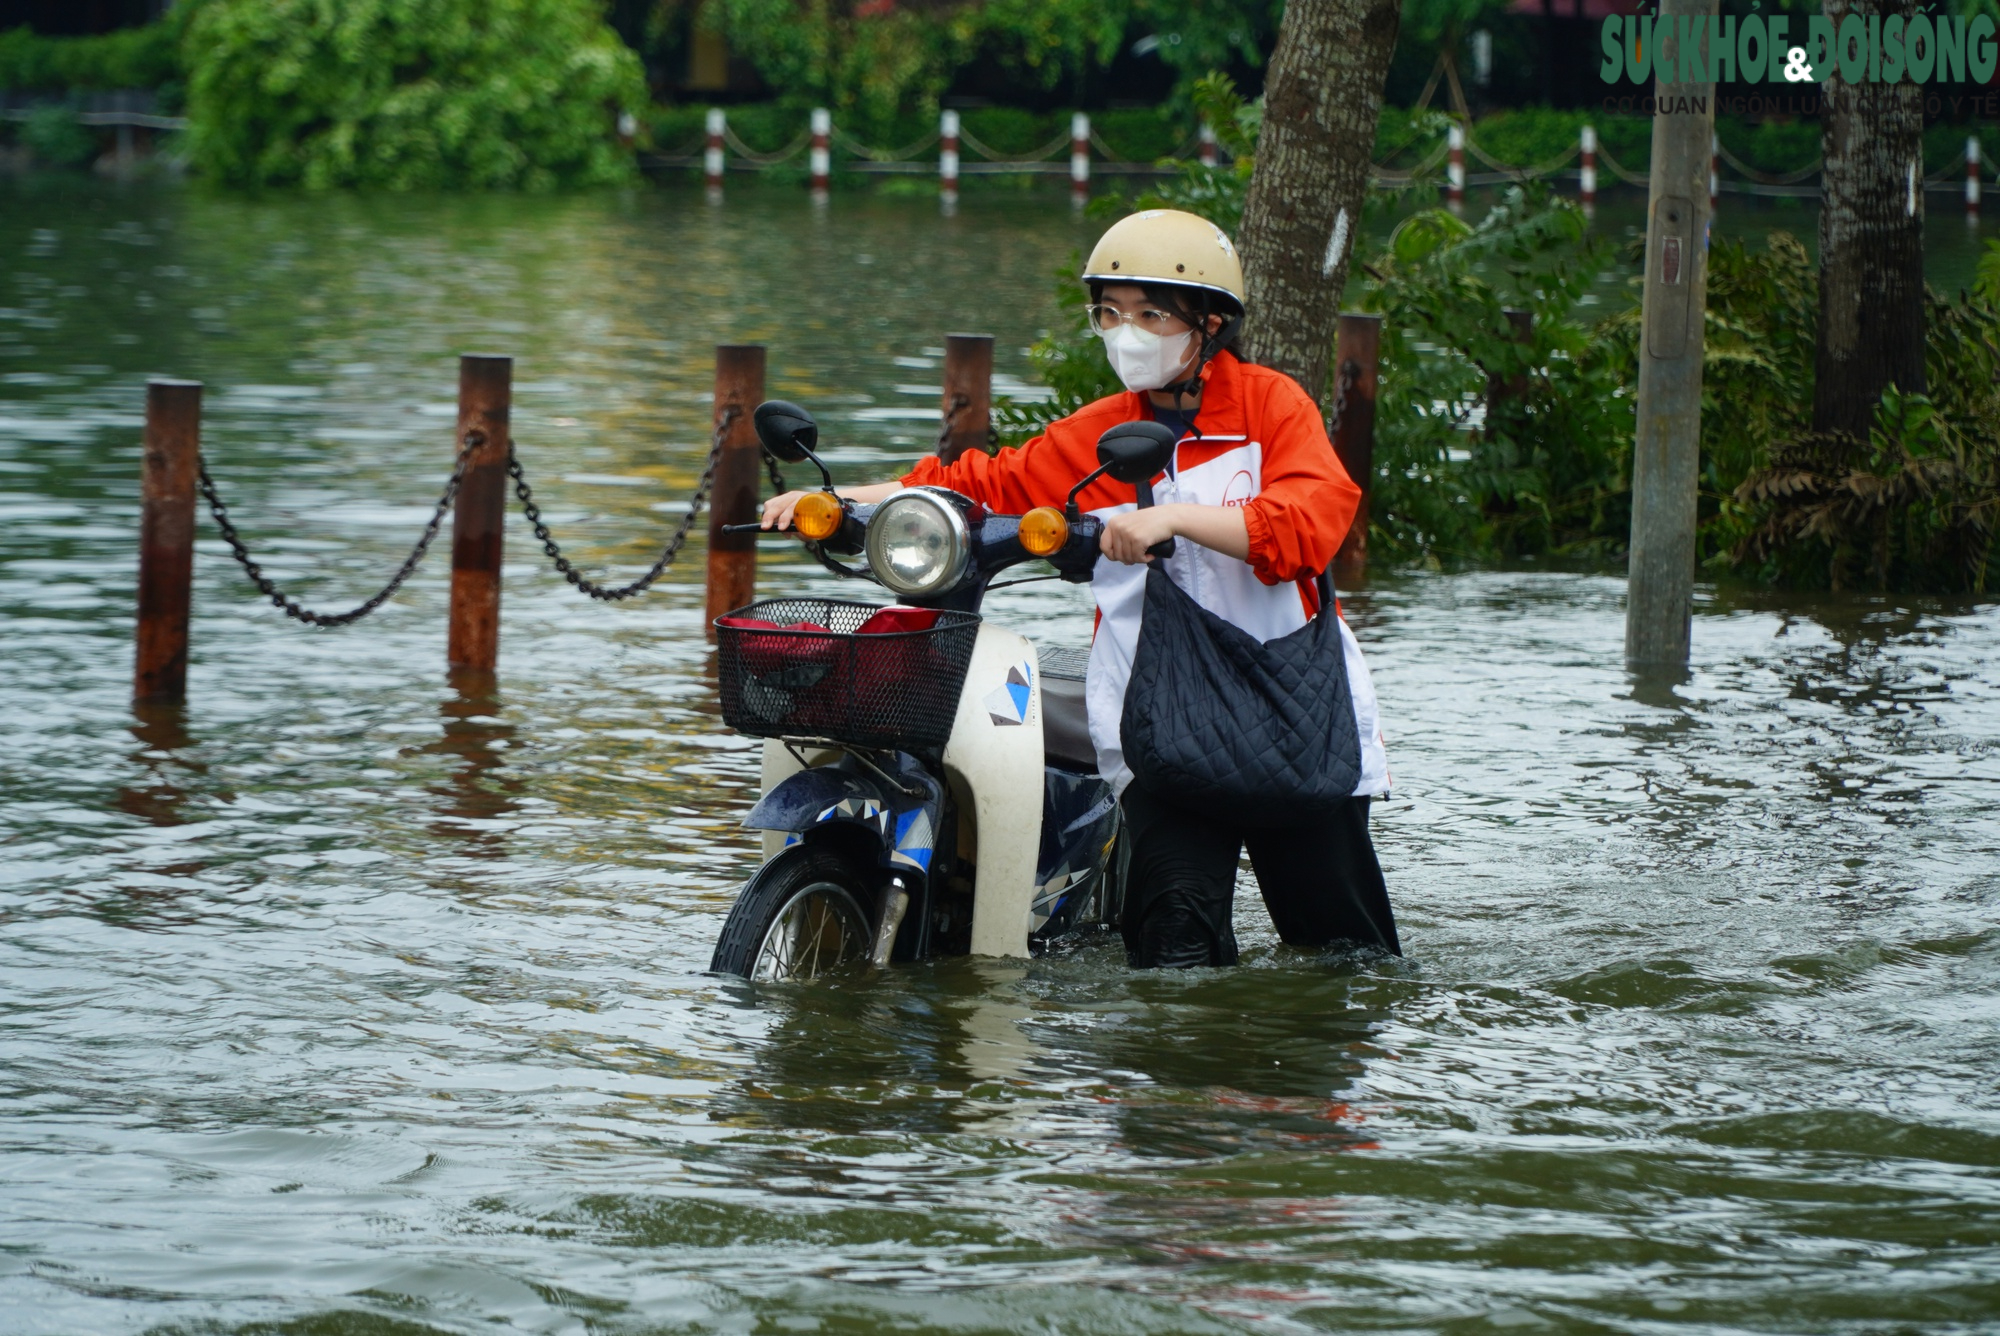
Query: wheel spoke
pixel 819 929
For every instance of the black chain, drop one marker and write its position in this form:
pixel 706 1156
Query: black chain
pixel 674 544
pixel 958 401
pixel 291 607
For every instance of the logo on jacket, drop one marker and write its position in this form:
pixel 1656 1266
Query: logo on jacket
pixel 1007 704
pixel 1239 490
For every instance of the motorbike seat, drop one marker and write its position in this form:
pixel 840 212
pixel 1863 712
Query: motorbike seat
pixel 1065 728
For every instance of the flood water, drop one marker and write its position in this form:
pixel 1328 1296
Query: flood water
pixel 344 1003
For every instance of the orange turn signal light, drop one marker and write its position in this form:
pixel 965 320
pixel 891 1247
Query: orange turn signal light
pixel 1044 531
pixel 818 516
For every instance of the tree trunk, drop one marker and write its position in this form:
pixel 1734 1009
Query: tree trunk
pixel 1322 97
pixel 1871 241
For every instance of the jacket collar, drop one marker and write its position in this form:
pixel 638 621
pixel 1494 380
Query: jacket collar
pixel 1221 412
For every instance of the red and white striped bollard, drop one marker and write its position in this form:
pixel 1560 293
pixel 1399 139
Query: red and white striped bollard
pixel 1587 177
pixel 1972 178
pixel 711 157
pixel 948 160
pixel 1714 172
pixel 1454 167
pixel 1079 159
pixel 822 152
pixel 1207 149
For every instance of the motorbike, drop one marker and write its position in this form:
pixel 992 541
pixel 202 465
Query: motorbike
pixel 928 783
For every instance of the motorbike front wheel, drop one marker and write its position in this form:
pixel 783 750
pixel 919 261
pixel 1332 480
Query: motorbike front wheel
pixel 799 917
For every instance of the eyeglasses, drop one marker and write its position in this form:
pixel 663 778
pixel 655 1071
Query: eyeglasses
pixel 1105 318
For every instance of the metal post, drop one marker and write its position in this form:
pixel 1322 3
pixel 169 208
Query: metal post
pixel 169 462
pixel 1454 170
pixel 1358 345
pixel 948 159
pixel 1207 150
pixel 712 159
pixel 968 386
pixel 1499 389
pixel 1588 175
pixel 821 155
pixel 1659 605
pixel 478 521
pixel 1972 177
pixel 1079 159
pixel 732 557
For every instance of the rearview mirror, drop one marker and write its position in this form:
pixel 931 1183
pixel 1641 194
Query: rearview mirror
pixel 1132 452
pixel 786 430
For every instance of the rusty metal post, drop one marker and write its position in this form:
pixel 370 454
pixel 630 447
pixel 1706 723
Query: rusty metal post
pixel 171 458
pixel 478 523
pixel 1357 344
pixel 968 388
pixel 732 557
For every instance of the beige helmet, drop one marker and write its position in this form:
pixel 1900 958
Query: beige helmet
pixel 1167 246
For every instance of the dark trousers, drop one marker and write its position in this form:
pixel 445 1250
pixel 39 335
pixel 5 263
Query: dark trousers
pixel 1320 882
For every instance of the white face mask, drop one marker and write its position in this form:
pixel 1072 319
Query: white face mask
pixel 1144 360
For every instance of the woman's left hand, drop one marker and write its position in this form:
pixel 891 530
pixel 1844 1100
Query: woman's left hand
pixel 1126 537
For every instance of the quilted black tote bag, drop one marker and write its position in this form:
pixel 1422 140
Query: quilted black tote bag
pixel 1260 734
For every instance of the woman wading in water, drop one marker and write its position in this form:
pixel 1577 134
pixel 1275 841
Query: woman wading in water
pixel 1260 503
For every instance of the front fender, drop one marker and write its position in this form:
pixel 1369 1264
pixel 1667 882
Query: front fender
pixel 844 792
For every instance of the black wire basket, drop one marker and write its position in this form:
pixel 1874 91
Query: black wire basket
pixel 848 672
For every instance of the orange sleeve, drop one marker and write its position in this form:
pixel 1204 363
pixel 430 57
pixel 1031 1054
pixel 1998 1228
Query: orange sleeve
pixel 1010 482
pixel 1302 511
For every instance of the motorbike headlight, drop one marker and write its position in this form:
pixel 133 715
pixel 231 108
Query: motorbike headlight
pixel 917 544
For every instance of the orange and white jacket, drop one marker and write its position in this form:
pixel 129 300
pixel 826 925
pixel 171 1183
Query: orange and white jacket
pixel 1258 443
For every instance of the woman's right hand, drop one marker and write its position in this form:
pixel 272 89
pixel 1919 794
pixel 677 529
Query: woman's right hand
pixel 778 510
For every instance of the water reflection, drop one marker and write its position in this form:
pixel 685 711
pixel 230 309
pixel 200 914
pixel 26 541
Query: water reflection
pixel 477 792
pixel 161 730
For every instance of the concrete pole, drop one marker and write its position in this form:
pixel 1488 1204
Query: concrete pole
pixel 712 156
pixel 948 161
pixel 1587 176
pixel 1454 167
pixel 1666 453
pixel 1079 160
pixel 820 155
pixel 1972 178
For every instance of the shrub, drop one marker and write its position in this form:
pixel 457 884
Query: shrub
pixel 55 136
pixel 1490 442
pixel 409 94
pixel 131 58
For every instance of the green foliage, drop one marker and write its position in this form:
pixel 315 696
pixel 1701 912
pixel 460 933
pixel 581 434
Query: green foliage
pixel 1492 441
pixel 131 58
pixel 869 63
pixel 1216 193
pixel 1913 507
pixel 881 66
pixel 56 138
pixel 1429 22
pixel 409 94
pixel 1987 281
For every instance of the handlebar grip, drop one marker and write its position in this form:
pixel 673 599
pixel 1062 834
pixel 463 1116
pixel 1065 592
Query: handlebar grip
pixel 754 528
pixel 1163 548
